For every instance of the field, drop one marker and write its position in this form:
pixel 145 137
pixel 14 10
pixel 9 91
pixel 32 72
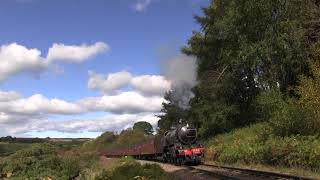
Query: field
pixel 10 148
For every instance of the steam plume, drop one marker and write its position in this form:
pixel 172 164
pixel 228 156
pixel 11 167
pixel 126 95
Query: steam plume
pixel 181 71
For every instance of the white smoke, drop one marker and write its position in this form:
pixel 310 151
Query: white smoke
pixel 182 72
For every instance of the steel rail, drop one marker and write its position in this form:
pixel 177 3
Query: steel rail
pixel 263 173
pixel 250 172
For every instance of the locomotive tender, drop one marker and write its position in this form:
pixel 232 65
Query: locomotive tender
pixel 178 145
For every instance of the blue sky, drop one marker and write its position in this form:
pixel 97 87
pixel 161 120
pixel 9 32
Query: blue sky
pixel 132 36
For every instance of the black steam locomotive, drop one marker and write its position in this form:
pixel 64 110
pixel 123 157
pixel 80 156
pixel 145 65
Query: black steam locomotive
pixel 180 145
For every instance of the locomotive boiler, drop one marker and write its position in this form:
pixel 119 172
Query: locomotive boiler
pixel 180 145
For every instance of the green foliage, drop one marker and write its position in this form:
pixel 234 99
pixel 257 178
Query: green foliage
pixel 129 137
pixel 172 113
pixel 10 148
pixel 244 145
pixel 255 145
pixel 285 116
pixel 289 120
pixel 247 49
pixel 39 161
pixel 309 90
pixel 294 151
pixel 143 126
pixel 130 169
pixel 108 140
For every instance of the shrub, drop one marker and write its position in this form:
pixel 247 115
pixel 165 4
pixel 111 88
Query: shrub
pixel 39 161
pixel 286 117
pixel 289 120
pixel 294 151
pixel 257 145
pixel 108 140
pixel 243 145
pixel 130 169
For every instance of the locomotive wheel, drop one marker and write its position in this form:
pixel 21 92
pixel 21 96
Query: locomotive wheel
pixel 179 161
pixel 164 157
pixel 175 161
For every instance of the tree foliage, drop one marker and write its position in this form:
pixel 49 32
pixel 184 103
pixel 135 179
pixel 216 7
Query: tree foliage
pixel 246 48
pixel 171 112
pixel 143 126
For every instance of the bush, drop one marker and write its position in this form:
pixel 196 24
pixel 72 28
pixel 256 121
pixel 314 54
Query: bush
pixel 289 120
pixel 108 140
pixel 286 117
pixel 243 145
pixel 130 169
pixel 257 145
pixel 39 161
pixel 294 151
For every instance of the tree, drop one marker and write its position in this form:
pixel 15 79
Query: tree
pixel 143 126
pixel 171 112
pixel 245 48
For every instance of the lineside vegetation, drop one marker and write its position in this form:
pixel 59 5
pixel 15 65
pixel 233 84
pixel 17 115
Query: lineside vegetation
pixel 257 97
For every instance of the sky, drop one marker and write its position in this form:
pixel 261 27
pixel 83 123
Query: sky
pixel 77 68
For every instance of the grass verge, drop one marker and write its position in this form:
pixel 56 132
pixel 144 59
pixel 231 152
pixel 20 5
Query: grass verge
pixel 256 147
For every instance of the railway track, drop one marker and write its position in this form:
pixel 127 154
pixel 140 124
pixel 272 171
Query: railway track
pixel 209 171
pixel 243 173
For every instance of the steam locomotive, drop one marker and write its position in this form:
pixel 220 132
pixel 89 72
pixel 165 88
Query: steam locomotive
pixel 178 145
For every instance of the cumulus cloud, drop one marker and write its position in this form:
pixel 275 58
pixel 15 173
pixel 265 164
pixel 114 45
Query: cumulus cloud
pixel 16 119
pixel 74 53
pixel 141 5
pixel 38 104
pixel 125 102
pixel 154 85
pixel 151 84
pixel 110 122
pixel 9 95
pixel 16 58
pixel 17 111
pixel 110 83
pixel 106 123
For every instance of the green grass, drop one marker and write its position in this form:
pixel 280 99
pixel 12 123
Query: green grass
pixel 42 161
pixel 10 148
pixel 255 145
pixel 128 168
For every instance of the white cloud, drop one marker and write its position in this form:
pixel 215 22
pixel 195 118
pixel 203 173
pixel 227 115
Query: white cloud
pixel 110 83
pixel 17 111
pixel 74 53
pixel 107 123
pixel 125 102
pixel 15 58
pixel 113 82
pixel 8 96
pixel 141 5
pixel 151 84
pixel 38 104
pixel 16 119
pixel 110 122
